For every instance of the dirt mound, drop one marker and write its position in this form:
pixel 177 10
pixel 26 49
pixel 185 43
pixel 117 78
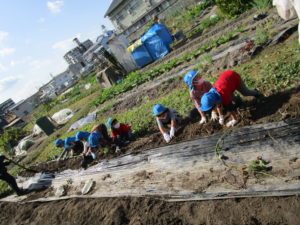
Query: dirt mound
pixel 149 211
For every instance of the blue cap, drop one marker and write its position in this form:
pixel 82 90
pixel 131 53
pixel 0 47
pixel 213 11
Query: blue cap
pixel 82 134
pixel 59 142
pixel 189 77
pixel 209 99
pixel 110 121
pixel 159 109
pixel 94 139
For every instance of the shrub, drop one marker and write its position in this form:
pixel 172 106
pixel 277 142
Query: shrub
pixel 232 8
pixel 262 35
pixel 261 4
pixel 10 138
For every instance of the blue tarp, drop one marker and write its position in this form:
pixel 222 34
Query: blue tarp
pixel 152 46
pixel 162 31
pixel 157 41
pixel 142 56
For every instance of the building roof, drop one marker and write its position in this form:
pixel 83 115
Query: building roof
pixel 18 104
pixel 113 6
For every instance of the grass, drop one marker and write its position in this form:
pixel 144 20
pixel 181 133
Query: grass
pixel 204 25
pixel 183 20
pixel 261 4
pixel 70 99
pixel 274 70
pixel 142 119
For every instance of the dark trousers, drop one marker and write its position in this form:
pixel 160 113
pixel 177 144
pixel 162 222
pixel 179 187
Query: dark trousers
pixel 122 139
pixel 11 182
pixel 86 161
pixel 77 148
pixel 128 136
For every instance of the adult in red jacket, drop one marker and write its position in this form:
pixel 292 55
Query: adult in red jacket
pixel 221 95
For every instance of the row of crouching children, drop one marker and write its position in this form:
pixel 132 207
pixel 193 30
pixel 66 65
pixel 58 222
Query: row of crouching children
pixel 207 100
pixel 88 143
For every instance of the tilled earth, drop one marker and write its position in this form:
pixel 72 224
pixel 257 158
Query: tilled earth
pixel 150 211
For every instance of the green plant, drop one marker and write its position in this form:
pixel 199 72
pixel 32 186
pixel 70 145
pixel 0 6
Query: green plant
pixel 262 35
pixel 261 4
pixel 204 25
pixel 196 11
pixel 232 8
pixel 70 181
pixel 10 138
pixel 185 19
pixel 258 166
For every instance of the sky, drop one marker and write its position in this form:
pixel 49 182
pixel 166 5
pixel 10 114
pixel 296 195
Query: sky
pixel 34 36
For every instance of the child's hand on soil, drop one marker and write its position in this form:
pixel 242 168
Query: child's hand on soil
pixel 203 120
pixel 214 116
pixel 221 120
pixel 167 137
pixel 231 123
pixel 118 149
pixel 172 132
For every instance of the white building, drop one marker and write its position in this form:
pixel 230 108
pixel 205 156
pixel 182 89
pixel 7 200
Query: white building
pixel 24 107
pixel 129 16
pixel 57 85
pixel 62 80
pixel 4 106
pixel 75 55
pixel 101 41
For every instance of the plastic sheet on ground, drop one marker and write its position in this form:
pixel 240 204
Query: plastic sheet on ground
pixel 82 122
pixel 190 170
pixel 87 86
pixel 36 130
pixel 62 116
pixel 23 146
pixel 287 9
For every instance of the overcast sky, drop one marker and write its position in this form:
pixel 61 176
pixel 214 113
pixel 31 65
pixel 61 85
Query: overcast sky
pixel 34 36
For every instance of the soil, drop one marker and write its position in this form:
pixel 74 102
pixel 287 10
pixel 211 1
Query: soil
pixel 137 211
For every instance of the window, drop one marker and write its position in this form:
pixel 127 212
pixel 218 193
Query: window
pixel 119 17
pixel 132 6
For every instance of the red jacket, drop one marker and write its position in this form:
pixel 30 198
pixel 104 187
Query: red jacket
pixel 124 128
pixel 228 82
